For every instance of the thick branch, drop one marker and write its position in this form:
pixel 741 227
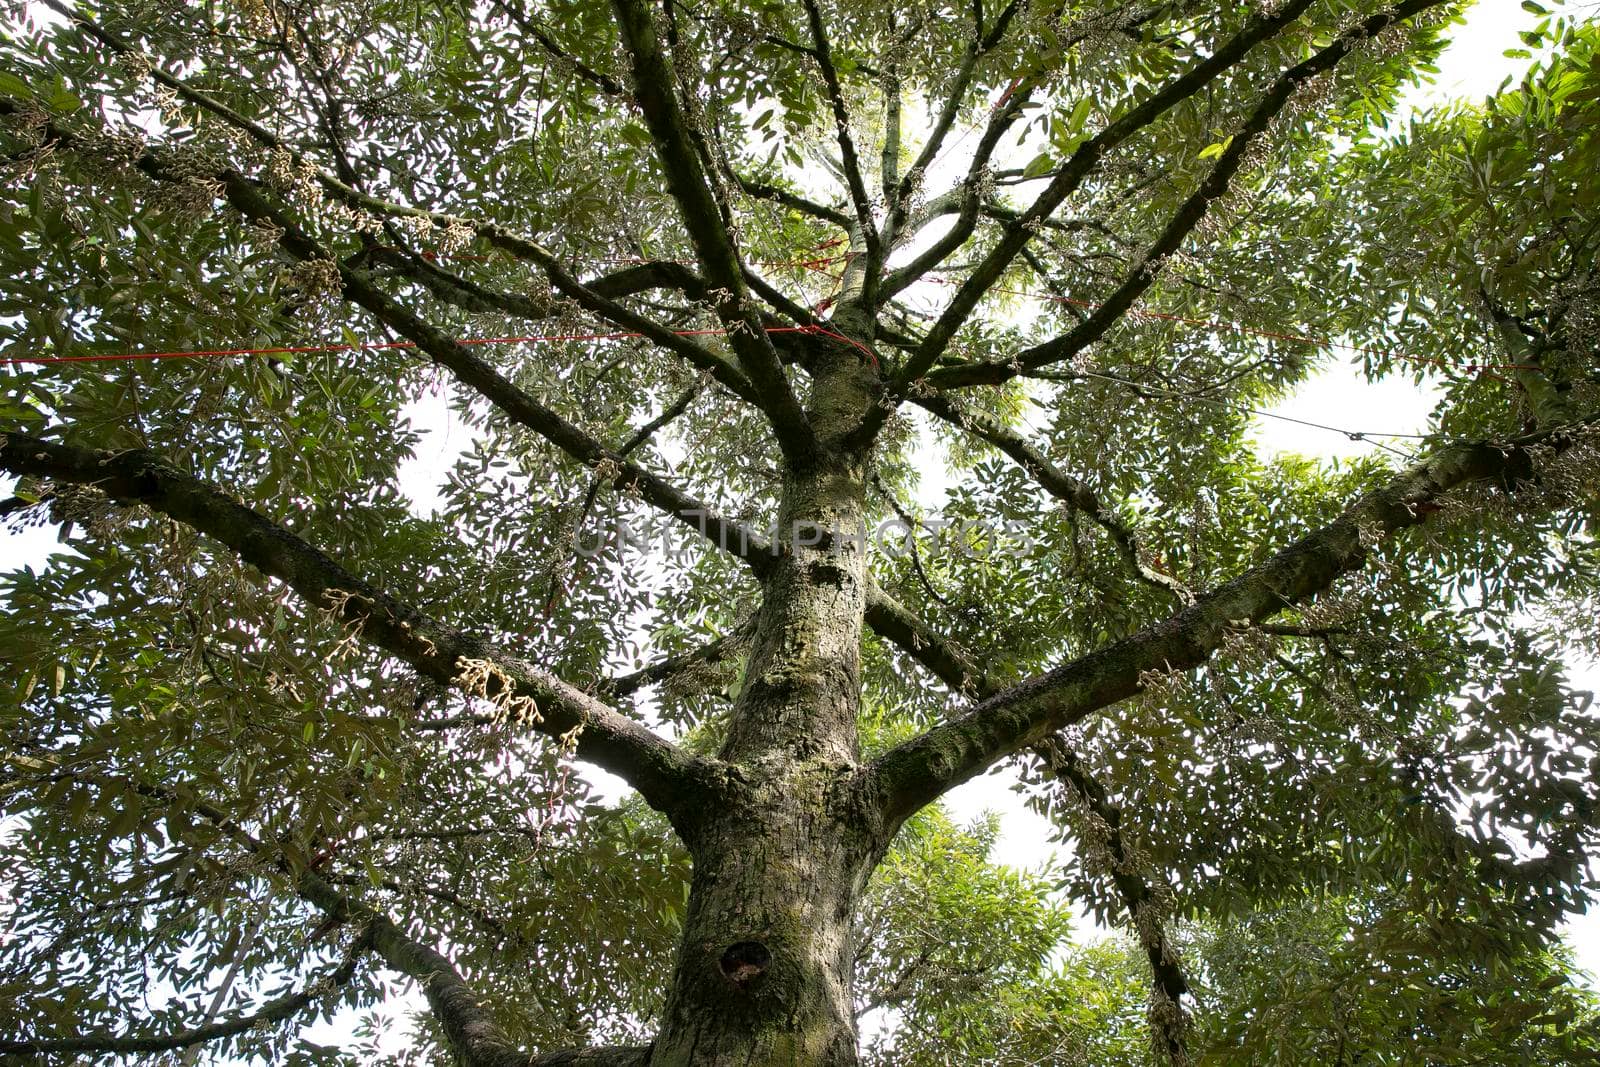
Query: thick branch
pixel 915 773
pixel 953 666
pixel 889 158
pixel 703 220
pixel 1548 403
pixel 596 301
pixel 457 291
pixel 966 198
pixel 664 774
pixel 460 292
pixel 473 1034
pixel 938 655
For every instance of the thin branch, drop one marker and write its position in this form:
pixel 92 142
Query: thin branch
pixel 455 835
pixel 563 564
pixel 605 83
pixel 473 371
pixel 847 152
pixel 1064 487
pixel 1002 118
pixel 474 913
pixel 767 191
pixel 1139 898
pixel 896 992
pixel 781 303
pixel 980 44
pixel 712 652
pixel 273 1012
pixel 911 524
pixel 518 247
pixel 329 111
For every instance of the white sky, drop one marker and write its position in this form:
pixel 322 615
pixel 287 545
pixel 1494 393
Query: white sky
pixel 1472 67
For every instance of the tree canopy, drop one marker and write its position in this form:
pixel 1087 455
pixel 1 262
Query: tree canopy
pixel 712 288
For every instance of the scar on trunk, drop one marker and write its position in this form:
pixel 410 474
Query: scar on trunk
pixel 745 961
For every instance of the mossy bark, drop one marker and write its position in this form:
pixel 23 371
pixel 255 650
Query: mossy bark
pixel 766 964
pixel 788 837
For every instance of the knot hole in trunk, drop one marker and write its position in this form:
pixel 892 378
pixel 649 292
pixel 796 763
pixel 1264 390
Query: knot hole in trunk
pixel 745 961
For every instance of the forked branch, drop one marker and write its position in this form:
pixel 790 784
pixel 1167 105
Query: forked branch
pixel 822 50
pixel 1069 176
pixel 708 231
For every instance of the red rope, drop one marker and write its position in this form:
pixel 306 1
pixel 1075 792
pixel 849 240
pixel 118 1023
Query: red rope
pixel 814 264
pixel 372 346
pixel 637 261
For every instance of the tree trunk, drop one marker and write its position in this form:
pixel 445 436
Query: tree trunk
pixel 765 968
pixel 767 961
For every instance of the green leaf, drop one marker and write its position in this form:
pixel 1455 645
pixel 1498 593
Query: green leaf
pixel 1039 165
pixel 64 101
pixel 11 85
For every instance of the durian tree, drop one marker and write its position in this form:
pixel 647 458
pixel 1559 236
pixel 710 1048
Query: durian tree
pixel 707 291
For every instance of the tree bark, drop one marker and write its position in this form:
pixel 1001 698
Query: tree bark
pixel 766 965
pixel 787 839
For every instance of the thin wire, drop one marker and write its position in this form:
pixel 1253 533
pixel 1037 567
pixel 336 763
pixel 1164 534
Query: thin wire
pixel 374 346
pixel 633 261
pixel 1368 436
